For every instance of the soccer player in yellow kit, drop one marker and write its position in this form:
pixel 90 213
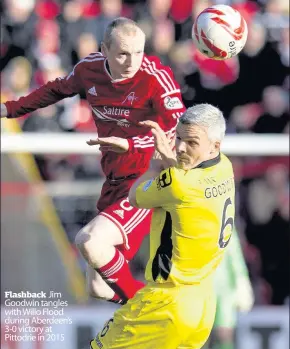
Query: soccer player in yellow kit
pixel 192 193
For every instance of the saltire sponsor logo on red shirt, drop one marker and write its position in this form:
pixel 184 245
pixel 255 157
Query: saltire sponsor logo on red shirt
pixel 114 111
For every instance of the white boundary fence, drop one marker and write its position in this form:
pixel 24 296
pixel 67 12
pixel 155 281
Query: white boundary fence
pixel 75 143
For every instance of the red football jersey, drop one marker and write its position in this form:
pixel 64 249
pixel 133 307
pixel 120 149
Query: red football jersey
pixel 117 106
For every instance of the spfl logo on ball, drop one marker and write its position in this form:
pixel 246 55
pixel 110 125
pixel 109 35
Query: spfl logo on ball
pixel 172 103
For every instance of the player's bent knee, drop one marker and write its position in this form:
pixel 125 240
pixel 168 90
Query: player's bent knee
pixel 79 239
pixel 82 242
pixel 88 239
pixel 90 247
pixel 99 231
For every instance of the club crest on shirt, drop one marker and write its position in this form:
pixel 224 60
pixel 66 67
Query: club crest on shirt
pixel 130 98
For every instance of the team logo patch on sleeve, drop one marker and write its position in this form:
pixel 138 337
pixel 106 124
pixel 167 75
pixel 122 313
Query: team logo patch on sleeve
pixel 172 103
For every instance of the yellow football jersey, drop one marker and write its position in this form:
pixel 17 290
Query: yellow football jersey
pixel 192 222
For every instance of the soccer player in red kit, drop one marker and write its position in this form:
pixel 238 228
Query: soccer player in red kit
pixel 123 87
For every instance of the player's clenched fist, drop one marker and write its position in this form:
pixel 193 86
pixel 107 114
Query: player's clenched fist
pixel 115 144
pixel 3 111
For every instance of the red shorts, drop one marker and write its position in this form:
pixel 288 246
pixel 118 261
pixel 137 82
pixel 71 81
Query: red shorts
pixel 134 224
pixel 112 193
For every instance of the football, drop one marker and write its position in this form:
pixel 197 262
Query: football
pixel 220 32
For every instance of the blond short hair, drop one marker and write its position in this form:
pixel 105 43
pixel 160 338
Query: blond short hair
pixel 126 25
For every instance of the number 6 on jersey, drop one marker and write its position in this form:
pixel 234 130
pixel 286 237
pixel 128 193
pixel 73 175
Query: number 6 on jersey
pixel 226 234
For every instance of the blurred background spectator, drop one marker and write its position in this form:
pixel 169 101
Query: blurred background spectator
pixel 44 39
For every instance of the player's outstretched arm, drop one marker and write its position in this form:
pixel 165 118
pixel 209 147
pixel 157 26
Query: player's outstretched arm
pixel 115 144
pixel 122 145
pixel 44 96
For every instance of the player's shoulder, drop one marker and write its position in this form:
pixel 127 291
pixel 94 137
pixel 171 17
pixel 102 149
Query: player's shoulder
pixel 219 165
pixel 223 171
pixel 225 162
pixel 155 61
pixel 159 75
pixel 93 60
pixel 152 65
pixel 93 57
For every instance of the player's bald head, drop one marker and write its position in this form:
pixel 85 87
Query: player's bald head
pixel 122 26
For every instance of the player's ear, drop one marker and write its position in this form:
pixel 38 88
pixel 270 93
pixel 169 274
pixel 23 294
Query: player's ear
pixel 216 146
